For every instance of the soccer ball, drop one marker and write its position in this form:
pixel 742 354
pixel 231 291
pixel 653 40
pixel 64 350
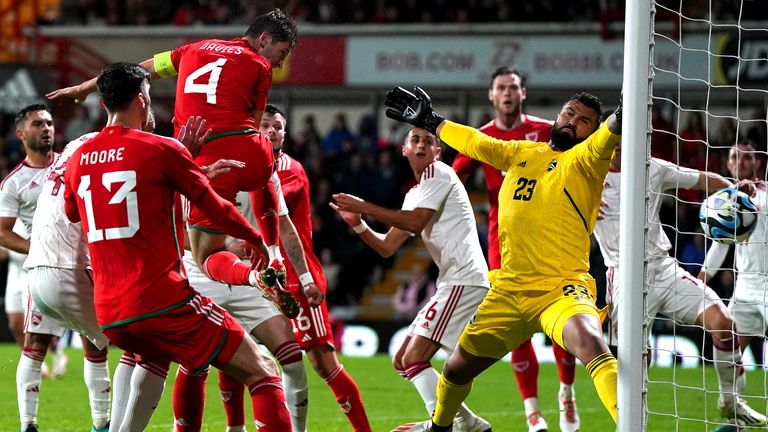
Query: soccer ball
pixel 728 214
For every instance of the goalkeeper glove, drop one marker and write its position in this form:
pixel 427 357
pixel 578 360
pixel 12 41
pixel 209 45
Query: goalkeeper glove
pixel 414 108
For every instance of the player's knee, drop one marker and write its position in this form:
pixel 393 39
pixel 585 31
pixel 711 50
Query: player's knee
pixel 38 341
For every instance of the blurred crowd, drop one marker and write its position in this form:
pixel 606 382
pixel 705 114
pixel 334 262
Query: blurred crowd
pixel 192 12
pixel 365 159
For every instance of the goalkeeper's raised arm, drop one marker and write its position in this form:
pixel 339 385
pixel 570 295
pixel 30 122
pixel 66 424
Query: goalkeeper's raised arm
pixel 416 108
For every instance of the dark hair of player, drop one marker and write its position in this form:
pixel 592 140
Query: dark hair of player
pixel 22 115
pixel 276 23
pixel 272 110
pixel 590 101
pixel 119 83
pixel 506 70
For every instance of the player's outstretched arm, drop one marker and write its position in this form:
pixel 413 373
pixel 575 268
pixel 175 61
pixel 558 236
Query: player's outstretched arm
pixel 384 244
pixel 291 242
pixel 412 221
pixel 81 91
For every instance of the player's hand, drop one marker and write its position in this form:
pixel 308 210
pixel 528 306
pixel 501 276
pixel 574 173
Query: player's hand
pixel 259 255
pixel 194 134
pixel 220 167
pixel 78 93
pixel 601 210
pixel 315 297
pixel 239 248
pixel 614 121
pixel 350 218
pixel 349 203
pixel 746 186
pixel 414 108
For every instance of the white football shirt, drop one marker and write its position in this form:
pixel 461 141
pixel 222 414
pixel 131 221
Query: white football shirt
pixel 662 176
pixel 57 242
pixel 19 191
pixel 451 235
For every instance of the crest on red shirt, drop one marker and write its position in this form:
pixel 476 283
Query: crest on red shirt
pixel 532 136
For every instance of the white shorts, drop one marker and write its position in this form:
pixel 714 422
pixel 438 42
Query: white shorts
pixel 16 283
pixel 749 306
pixel 244 303
pixel 65 296
pixel 672 292
pixel 444 316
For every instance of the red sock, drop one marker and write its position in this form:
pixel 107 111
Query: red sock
pixel 526 367
pixel 189 400
pixel 566 364
pixel 264 202
pixel 232 392
pixel 226 267
pixel 348 397
pixel 269 408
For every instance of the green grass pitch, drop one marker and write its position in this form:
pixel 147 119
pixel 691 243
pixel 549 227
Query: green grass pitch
pixel 390 400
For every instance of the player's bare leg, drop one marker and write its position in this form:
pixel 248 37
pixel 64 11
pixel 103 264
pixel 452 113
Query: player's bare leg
pixel 443 394
pixel 727 356
pixel 96 376
pixel 583 336
pixel 260 374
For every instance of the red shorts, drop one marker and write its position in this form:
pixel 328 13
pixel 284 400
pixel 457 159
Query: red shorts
pixel 255 150
pixel 312 327
pixel 195 335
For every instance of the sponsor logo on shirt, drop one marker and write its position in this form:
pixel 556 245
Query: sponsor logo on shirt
pixel 522 164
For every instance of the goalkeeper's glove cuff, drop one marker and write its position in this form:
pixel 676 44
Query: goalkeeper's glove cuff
pixel 432 122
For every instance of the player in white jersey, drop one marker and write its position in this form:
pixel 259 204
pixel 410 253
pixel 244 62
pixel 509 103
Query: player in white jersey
pixel 749 303
pixel 60 282
pixel 438 207
pixel 672 291
pixel 18 198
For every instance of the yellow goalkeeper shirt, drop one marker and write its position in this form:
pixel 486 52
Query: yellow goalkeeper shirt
pixel 547 204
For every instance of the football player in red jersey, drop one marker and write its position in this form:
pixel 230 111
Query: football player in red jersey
pixel 507 93
pixel 227 83
pixel 124 185
pixel 311 327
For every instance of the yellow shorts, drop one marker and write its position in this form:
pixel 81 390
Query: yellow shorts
pixel 505 319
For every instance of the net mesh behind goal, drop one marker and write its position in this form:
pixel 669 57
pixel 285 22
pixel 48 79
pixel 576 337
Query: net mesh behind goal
pixel 709 93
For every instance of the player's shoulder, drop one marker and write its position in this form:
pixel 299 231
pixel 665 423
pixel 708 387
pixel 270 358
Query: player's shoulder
pixel 76 143
pixel 14 176
pixel 287 162
pixel 440 171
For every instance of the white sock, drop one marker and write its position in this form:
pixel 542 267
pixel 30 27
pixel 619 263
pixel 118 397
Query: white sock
pixel 531 406
pixel 566 392
pixel 727 366
pixel 296 393
pixel 96 376
pixel 236 429
pixel 28 375
pixel 146 390
pixel 121 390
pixel 426 385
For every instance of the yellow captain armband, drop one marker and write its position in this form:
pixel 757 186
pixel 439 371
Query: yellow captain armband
pixel 163 65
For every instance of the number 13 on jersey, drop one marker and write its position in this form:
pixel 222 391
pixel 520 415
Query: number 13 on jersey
pixel 124 193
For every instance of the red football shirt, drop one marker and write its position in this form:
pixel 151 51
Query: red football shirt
pixel 532 129
pixel 222 81
pixel 124 183
pixel 295 186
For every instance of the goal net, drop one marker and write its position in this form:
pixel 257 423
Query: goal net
pixel 708 90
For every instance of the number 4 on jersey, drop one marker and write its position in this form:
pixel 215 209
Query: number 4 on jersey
pixel 209 89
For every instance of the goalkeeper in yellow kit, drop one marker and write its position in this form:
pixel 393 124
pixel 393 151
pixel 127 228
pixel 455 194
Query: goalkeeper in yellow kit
pixel 547 209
